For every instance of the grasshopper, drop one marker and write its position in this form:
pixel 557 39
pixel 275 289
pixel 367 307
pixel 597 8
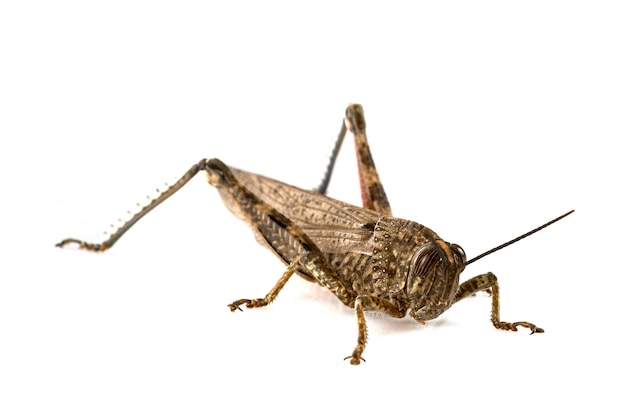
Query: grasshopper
pixel 370 260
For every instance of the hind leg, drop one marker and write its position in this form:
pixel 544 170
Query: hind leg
pixel 372 191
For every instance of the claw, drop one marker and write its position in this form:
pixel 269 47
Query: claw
pixel 355 357
pixel 82 245
pixel 354 360
pixel 532 327
pixel 236 304
pixel 512 326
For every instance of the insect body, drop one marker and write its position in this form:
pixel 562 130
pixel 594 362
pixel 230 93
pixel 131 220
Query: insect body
pixel 370 260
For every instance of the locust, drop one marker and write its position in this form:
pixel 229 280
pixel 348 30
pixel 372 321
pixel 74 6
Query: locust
pixel 370 260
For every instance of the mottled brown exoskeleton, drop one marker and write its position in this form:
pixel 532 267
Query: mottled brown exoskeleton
pixel 370 260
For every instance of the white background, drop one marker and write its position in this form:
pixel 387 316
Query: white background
pixel 486 119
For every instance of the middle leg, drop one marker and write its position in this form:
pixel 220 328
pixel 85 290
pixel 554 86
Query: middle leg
pixel 286 238
pixel 271 295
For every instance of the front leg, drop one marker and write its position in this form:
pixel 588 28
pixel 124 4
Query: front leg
pixel 489 283
pixel 370 304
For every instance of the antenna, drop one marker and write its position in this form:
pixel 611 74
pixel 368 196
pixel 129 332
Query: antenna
pixel 484 254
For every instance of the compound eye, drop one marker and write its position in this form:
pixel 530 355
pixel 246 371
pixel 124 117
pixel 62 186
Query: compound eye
pixel 459 254
pixel 425 260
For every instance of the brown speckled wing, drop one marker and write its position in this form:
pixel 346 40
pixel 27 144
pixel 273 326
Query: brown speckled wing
pixel 335 227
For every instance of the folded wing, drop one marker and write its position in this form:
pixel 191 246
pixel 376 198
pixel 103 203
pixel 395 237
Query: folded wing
pixel 336 227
